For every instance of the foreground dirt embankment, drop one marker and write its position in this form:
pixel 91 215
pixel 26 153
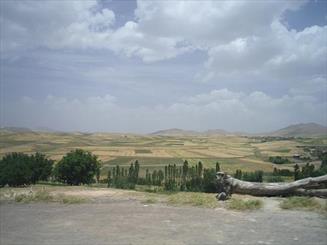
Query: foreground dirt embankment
pixel 127 217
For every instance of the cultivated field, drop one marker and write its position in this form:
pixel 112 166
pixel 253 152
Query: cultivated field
pixel 233 152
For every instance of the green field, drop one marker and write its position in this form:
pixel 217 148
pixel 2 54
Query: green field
pixel 154 152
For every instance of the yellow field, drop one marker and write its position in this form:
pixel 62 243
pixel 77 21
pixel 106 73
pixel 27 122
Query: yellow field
pixel 232 152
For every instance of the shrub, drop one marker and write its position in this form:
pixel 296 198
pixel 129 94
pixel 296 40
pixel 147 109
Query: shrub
pixel 77 167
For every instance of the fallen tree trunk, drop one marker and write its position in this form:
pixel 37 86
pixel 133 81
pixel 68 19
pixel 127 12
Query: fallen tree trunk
pixel 228 185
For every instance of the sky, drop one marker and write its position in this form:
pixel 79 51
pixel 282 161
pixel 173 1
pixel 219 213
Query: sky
pixel 142 66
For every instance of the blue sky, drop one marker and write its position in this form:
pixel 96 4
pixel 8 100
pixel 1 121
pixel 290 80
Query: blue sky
pixel 140 66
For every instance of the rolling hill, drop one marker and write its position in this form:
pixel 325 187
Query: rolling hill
pixel 301 130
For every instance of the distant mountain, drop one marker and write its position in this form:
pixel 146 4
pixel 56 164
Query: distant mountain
pixel 301 130
pixel 16 129
pixel 212 132
pixel 182 132
pixel 44 130
pixel 175 131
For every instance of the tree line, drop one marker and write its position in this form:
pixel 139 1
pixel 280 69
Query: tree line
pixel 75 168
pixel 172 178
pixel 82 167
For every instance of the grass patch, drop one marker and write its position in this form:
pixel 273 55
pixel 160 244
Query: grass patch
pixel 244 204
pixel 65 199
pixel 303 203
pixel 142 151
pixel 283 150
pixel 38 196
pixel 193 199
pixel 45 196
pixel 50 183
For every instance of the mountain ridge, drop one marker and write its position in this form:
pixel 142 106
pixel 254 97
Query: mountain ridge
pixel 294 130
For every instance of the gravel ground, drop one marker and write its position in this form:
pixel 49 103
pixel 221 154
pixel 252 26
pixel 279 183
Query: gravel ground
pixel 131 222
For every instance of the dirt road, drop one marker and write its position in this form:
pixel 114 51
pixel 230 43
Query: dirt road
pixel 131 222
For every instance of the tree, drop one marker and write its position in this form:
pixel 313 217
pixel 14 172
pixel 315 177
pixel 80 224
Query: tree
pixel 21 169
pixel 238 174
pixel 296 172
pixel 78 167
pixel 136 171
pixel 41 167
pixel 278 160
pixel 323 161
pixel 15 170
pixel 217 167
pixel 209 180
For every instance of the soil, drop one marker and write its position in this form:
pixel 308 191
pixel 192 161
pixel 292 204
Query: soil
pixel 128 221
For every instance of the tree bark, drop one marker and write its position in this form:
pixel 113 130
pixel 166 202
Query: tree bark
pixel 228 185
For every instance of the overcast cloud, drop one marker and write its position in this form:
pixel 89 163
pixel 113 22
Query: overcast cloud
pixel 147 65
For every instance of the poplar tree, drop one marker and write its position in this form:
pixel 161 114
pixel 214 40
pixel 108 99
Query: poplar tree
pixel 217 167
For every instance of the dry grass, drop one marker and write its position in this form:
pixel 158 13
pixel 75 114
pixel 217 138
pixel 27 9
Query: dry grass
pixel 193 199
pixel 46 196
pixel 304 203
pixel 244 204
pixel 42 194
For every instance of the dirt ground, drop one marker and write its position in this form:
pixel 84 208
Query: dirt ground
pixel 129 221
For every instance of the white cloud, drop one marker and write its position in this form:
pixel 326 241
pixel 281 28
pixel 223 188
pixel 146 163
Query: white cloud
pixel 163 29
pixel 245 42
pixel 225 109
pixel 209 22
pixel 27 24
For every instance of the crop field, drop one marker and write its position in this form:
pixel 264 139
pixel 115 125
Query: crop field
pixel 154 152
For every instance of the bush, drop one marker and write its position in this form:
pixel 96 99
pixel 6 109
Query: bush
pixel 19 169
pixel 278 160
pixel 77 167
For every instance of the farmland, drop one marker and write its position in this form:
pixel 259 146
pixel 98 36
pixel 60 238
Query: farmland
pixel 154 151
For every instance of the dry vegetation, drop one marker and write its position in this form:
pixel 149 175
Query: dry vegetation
pixel 304 203
pixel 88 194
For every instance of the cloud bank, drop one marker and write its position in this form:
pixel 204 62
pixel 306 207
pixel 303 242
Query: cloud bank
pixel 255 72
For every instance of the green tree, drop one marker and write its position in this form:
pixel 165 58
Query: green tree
pixel 136 171
pixel 238 174
pixel 41 167
pixel 21 169
pixel 297 172
pixel 209 180
pixel 324 161
pixel 217 167
pixel 78 167
pixel 15 170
